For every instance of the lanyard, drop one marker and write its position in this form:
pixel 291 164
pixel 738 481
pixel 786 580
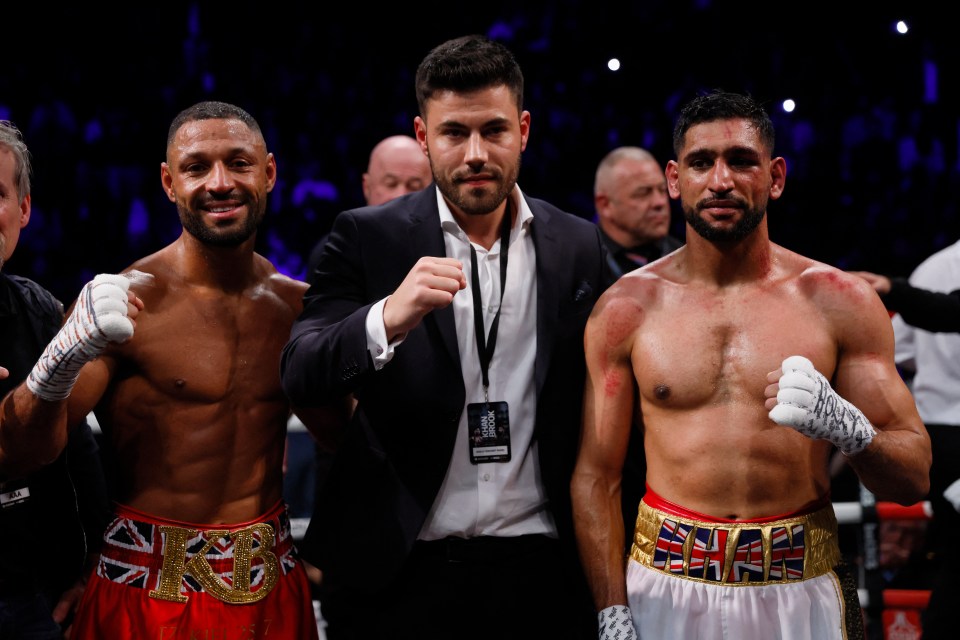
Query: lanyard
pixel 486 345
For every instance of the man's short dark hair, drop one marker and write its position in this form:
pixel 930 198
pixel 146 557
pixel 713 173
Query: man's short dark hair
pixel 465 64
pixel 723 105
pixel 211 110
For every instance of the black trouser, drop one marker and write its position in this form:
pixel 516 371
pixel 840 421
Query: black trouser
pixel 484 588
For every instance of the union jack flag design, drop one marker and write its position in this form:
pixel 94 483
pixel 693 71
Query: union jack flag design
pixel 748 558
pixel 132 554
pixel 786 553
pixel 707 556
pixel 668 555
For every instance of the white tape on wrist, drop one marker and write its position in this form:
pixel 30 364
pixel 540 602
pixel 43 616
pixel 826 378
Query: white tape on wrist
pixel 616 623
pixel 99 317
pixel 807 403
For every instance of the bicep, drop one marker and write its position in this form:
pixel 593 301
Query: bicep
pixel 867 375
pixel 608 408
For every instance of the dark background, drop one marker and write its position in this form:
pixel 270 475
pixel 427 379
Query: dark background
pixel 871 149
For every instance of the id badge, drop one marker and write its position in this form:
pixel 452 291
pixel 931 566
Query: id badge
pixel 489 426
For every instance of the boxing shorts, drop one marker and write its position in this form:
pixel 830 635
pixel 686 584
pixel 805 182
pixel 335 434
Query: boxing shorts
pixel 169 580
pixel 693 576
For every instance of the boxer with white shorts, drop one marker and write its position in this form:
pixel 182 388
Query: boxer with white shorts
pixel 744 366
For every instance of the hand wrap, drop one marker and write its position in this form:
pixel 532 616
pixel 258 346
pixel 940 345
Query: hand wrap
pixel 808 403
pixel 99 317
pixel 616 623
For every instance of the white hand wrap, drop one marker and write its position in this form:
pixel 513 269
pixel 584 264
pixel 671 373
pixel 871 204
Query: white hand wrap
pixel 616 623
pixel 99 317
pixel 808 403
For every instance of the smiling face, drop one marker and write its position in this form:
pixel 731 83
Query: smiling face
pixel 218 173
pixel 724 178
pixel 474 141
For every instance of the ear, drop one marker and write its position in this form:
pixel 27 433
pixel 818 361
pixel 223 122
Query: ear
pixel 271 171
pixel 420 133
pixel 600 203
pixel 166 179
pixel 672 173
pixel 524 129
pixel 778 177
pixel 25 211
pixel 365 184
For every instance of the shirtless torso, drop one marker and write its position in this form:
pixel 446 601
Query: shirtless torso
pixel 193 405
pixel 743 363
pixel 709 443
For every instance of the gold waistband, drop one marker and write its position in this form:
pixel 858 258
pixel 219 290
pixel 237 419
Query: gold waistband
pixel 737 553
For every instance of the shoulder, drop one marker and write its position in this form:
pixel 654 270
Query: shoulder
pixel 148 279
pixel 632 295
pixel 552 214
pixel 38 299
pixel 288 289
pixel 840 296
pixel 286 286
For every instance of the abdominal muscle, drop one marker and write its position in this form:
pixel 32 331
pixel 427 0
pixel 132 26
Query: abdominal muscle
pixel 733 462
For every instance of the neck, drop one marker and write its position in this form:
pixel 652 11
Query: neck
pixel 727 263
pixel 226 268
pixel 484 229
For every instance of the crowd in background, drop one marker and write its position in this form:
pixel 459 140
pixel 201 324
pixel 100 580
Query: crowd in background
pixel 872 145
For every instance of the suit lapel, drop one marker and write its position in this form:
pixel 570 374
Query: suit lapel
pixel 550 274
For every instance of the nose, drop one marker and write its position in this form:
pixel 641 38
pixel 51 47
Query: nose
pixel 476 152
pixel 721 178
pixel 220 178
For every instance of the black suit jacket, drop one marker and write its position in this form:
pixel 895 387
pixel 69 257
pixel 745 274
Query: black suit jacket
pixel 393 457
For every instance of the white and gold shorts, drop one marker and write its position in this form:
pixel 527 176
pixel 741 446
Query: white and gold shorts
pixel 693 576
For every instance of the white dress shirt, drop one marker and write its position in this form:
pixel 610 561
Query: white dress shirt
pixel 496 498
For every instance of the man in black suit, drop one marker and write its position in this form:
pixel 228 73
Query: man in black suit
pixel 455 316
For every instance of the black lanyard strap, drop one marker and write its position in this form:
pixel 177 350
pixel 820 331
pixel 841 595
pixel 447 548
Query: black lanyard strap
pixel 485 346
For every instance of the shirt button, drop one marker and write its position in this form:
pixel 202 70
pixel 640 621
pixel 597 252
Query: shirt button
pixel 379 351
pixel 486 477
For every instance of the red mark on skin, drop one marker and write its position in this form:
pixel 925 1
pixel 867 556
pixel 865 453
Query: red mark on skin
pixel 621 321
pixel 612 381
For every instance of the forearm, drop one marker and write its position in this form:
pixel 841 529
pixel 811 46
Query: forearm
pixel 895 467
pixel 598 522
pixel 928 310
pixel 33 432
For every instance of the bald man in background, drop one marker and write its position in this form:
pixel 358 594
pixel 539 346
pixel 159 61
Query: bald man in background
pixel 397 166
pixel 633 210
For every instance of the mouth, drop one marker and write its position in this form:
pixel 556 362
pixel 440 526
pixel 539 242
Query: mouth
pixel 223 210
pixel 720 208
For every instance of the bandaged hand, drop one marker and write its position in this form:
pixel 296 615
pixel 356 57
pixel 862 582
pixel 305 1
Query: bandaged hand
pixel 807 403
pixel 100 316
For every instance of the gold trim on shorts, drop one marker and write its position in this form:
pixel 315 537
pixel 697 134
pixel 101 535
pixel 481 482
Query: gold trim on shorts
pixel 737 553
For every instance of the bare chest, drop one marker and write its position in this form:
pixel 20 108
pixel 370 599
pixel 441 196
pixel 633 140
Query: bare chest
pixel 212 350
pixel 711 349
